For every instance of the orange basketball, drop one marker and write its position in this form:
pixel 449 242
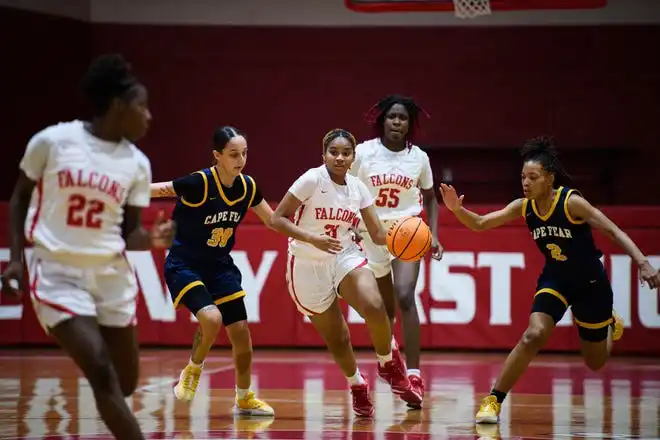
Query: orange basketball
pixel 409 239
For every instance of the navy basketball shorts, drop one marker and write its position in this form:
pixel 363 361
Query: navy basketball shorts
pixel 197 286
pixel 588 293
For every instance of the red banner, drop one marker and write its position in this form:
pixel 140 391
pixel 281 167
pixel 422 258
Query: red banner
pixel 477 297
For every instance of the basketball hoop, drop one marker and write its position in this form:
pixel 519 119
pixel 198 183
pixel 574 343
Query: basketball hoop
pixel 471 8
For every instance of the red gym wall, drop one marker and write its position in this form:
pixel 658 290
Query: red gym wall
pixel 487 89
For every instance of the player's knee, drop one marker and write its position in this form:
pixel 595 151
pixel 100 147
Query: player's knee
pixel 406 296
pixel 128 383
pixel 373 308
pixel 101 376
pixel 535 336
pixel 210 319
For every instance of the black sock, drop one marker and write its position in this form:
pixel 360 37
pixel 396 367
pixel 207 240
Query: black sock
pixel 498 394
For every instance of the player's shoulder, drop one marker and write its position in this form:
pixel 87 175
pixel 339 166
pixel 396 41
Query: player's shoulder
pixel 62 131
pixel 418 152
pixel 141 159
pixel 367 146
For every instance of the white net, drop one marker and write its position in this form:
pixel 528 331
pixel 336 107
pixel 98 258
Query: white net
pixel 471 8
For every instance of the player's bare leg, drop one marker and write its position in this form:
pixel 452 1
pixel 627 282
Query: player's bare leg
pixel 210 319
pixel 122 343
pixel 596 354
pixel 81 338
pixel 535 337
pixel 241 345
pixel 405 282
pixel 332 327
pixel 360 290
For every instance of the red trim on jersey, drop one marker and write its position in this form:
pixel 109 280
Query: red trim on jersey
pixel 364 263
pixel 35 219
pixel 292 289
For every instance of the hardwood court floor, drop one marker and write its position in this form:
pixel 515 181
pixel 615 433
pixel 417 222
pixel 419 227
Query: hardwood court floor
pixel 42 395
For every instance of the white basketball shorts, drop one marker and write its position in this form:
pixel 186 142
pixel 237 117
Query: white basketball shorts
pixel 313 284
pixel 61 291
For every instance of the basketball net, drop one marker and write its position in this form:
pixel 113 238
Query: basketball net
pixel 471 8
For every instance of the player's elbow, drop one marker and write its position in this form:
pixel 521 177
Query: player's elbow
pixel 480 225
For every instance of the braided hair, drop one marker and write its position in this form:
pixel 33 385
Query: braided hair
pixel 337 133
pixel 375 116
pixel 542 149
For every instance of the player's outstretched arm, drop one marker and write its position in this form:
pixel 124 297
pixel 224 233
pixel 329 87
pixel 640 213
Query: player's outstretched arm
pixel 579 209
pixel 475 221
pixel 162 189
pixel 264 212
pixel 373 224
pixel 280 221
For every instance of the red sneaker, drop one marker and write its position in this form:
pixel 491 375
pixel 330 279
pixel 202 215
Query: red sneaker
pixel 393 374
pixel 417 386
pixel 362 404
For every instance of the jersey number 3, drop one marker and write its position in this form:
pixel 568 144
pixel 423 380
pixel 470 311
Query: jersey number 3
pixel 388 197
pixel 555 252
pixel 220 237
pixel 84 212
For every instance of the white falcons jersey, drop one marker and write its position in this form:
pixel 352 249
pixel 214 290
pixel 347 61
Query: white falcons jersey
pixel 327 209
pixel 394 178
pixel 83 184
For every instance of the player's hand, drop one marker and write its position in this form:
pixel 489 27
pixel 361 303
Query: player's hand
pixel 649 275
pixel 162 232
pixel 327 244
pixel 436 249
pixel 452 201
pixel 13 280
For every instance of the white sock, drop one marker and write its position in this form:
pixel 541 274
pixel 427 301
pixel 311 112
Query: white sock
pixel 356 379
pixel 394 344
pixel 382 360
pixel 192 364
pixel 241 393
pixel 414 372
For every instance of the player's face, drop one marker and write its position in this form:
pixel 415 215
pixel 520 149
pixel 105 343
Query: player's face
pixel 134 116
pixel 233 157
pixel 536 181
pixel 395 126
pixel 339 156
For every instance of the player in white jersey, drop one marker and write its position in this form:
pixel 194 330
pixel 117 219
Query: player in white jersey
pixel 325 263
pixel 399 177
pixel 85 185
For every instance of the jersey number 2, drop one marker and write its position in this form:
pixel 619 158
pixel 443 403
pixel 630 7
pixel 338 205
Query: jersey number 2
pixel 555 252
pixel 388 197
pixel 220 237
pixel 84 212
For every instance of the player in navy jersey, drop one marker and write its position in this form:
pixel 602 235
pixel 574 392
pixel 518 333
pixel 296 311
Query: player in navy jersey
pixel 199 270
pixel 560 221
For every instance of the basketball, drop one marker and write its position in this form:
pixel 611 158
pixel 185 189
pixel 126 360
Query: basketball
pixel 409 239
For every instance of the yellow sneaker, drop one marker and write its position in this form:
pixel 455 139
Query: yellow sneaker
pixel 489 411
pixel 188 381
pixel 251 406
pixel 617 326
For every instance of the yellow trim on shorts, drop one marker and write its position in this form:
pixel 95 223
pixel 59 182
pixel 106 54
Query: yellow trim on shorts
pixel 233 296
pixel 185 290
pixel 555 201
pixel 554 293
pixel 568 215
pixel 206 192
pixel 591 326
